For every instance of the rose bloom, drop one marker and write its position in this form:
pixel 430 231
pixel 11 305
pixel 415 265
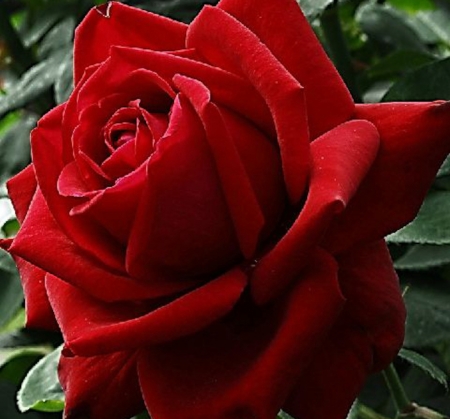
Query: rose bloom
pixel 204 218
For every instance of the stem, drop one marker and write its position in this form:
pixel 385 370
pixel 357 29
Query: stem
pixel 401 400
pixel 334 37
pixel 21 56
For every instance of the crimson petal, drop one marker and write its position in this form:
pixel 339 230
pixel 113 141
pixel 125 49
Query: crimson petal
pixel 72 263
pixel 327 98
pixel 415 139
pixel 91 327
pixel 224 41
pixel 115 24
pixel 242 202
pixel 340 160
pixel 244 365
pixel 365 340
pixel 100 387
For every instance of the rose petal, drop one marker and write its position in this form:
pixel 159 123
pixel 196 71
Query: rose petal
pixel 226 88
pixel 46 146
pixel 21 189
pixel 239 194
pixel 327 98
pixel 39 313
pixel 91 327
pixel 374 300
pixel 340 160
pixel 116 24
pixel 245 365
pixel 366 339
pixel 335 377
pixel 182 227
pixel 73 264
pixel 100 387
pixel 225 42
pixel 414 142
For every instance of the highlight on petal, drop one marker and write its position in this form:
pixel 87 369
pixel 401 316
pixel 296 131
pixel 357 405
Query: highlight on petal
pixel 115 25
pixel 414 141
pixel 328 101
pixel 340 160
pixel 222 40
pixel 100 387
pixel 91 327
pixel 245 365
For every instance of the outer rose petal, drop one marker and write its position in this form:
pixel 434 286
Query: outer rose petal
pixel 374 300
pixel 243 366
pixel 366 339
pixel 330 384
pixel 39 312
pixel 225 42
pixel 21 189
pixel 327 99
pixel 340 160
pixel 414 142
pixel 91 327
pixel 100 387
pixel 118 24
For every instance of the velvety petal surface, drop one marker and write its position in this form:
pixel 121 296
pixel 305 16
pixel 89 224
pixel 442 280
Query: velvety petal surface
pixel 73 264
pixel 182 226
pixel 366 338
pixel 46 148
pixel 118 24
pixel 414 141
pixel 223 41
pixel 91 327
pixel 281 26
pixel 100 387
pixel 244 365
pixel 21 189
pixel 340 160
pixel 242 202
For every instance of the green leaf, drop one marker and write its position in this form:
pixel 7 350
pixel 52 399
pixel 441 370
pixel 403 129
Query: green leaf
pixel 434 26
pixel 428 308
pixel 445 168
pixel 388 26
pixel 64 79
pixel 399 62
pixel 353 414
pixel 412 6
pixel 420 257
pixel 284 415
pixel 430 82
pixel 8 354
pixel 33 83
pixel 16 322
pixel 425 365
pixel 59 37
pixel 11 295
pixel 432 224
pixel 313 8
pixel 40 389
pixel 15 146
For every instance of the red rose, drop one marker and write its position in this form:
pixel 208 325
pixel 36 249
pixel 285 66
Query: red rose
pixel 205 218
